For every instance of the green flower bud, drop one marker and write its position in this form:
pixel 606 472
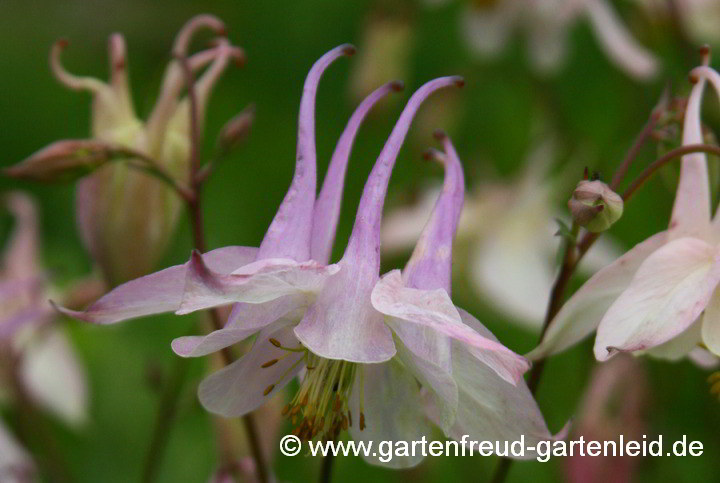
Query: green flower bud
pixel 595 206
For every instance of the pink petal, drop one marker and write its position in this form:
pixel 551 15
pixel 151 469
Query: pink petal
pixel 430 265
pixel 679 346
pixel 158 292
pixel 342 323
pixel 711 325
pixel 434 309
pixel 327 205
pixel 21 252
pixel 15 462
pixel 239 388
pixel 257 282
pixel 582 313
pixel 668 292
pixel 289 235
pixel 245 320
pixel 691 211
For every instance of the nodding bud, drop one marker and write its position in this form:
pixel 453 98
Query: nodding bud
pixel 62 161
pixel 199 22
pixel 236 130
pixel 595 206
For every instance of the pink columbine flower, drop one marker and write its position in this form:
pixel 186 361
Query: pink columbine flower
pixel 126 217
pixel 29 343
pixel 341 325
pixel 660 297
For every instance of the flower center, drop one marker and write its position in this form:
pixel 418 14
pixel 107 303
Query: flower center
pixel 321 405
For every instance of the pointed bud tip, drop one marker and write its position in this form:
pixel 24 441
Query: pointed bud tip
pixel 349 50
pixel 397 86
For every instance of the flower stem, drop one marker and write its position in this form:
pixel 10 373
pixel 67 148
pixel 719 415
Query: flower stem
pixel 574 251
pixel 326 468
pixel 169 401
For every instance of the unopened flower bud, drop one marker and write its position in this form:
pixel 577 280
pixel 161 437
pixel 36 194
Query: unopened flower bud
pixel 62 161
pixel 236 130
pixel 595 206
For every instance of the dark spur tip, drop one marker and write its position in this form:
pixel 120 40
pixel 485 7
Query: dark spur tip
pixel 349 49
pixel 397 85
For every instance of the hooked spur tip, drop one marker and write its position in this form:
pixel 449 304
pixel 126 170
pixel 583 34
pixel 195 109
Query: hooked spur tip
pixel 397 86
pixel 349 49
pixel 693 78
pixel 439 134
pixel 61 43
pixel 459 81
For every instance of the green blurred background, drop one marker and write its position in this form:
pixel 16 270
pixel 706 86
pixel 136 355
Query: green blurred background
pixel 591 106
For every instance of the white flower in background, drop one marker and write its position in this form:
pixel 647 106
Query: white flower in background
pixel 506 239
pixel 46 364
pixel 488 24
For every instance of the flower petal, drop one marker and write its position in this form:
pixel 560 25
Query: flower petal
pixel 582 313
pixel 239 388
pixel 668 292
pixel 434 309
pixel 256 282
pixel 21 254
pixel 290 232
pixel 342 323
pixel 158 292
pixel 54 378
pixel 490 408
pixel 435 378
pixel 245 320
pixel 327 205
pixel 679 346
pixel 711 325
pixel 619 45
pixel 691 210
pixel 703 358
pixel 430 264
pixel 392 411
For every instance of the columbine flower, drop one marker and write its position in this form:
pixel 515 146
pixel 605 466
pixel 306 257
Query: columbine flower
pixel 653 297
pixel 126 217
pixel 29 343
pixel 335 321
pixel 506 243
pixel 487 26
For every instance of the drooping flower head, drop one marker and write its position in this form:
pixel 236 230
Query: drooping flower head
pixel 126 217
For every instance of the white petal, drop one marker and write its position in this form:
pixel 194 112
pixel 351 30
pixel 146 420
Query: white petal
pixel 491 409
pixel 582 313
pixel 679 346
pixel 54 377
pixel 239 388
pixel 392 410
pixel 668 292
